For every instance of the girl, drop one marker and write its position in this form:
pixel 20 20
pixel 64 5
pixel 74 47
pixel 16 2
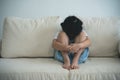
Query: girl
pixel 71 43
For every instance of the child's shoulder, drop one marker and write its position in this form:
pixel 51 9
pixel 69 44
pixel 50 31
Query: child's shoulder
pixel 84 33
pixel 58 34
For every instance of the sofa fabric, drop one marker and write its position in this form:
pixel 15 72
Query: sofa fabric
pixel 32 69
pixel 28 37
pixel 97 69
pixel 49 69
pixel 104 34
pixel 31 39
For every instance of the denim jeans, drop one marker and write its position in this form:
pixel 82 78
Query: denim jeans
pixel 83 57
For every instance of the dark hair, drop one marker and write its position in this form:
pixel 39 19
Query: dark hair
pixel 72 26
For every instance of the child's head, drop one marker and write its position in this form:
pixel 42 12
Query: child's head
pixel 72 26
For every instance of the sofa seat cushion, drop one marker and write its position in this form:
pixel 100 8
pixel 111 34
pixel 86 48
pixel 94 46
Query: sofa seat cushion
pixel 32 69
pixel 97 69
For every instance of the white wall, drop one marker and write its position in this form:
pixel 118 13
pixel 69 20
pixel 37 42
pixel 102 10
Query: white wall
pixel 63 8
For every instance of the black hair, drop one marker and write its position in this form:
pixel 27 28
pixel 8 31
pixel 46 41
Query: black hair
pixel 72 26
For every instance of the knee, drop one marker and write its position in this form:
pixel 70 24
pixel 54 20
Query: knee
pixel 63 38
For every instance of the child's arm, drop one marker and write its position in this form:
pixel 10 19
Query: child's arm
pixel 81 45
pixel 59 46
pixel 84 42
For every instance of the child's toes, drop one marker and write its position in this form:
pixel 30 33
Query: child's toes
pixel 73 66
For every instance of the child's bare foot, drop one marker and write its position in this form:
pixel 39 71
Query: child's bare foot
pixel 66 66
pixel 74 66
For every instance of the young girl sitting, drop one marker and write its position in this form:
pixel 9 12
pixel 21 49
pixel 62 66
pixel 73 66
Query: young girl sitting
pixel 71 44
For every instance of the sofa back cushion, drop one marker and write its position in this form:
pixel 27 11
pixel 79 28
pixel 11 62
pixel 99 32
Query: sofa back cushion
pixel 104 35
pixel 29 37
pixel 33 37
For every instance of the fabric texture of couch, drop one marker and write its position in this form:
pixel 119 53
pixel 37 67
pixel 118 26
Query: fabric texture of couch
pixel 27 53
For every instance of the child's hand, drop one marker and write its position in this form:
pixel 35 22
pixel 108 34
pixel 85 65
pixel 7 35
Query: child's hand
pixel 66 48
pixel 74 48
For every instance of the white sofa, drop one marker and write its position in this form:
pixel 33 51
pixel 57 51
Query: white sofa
pixel 26 52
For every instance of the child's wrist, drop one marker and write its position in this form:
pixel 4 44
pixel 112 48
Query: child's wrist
pixel 80 45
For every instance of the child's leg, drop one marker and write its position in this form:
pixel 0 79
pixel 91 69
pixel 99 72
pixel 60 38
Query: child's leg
pixel 63 39
pixel 84 56
pixel 74 64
